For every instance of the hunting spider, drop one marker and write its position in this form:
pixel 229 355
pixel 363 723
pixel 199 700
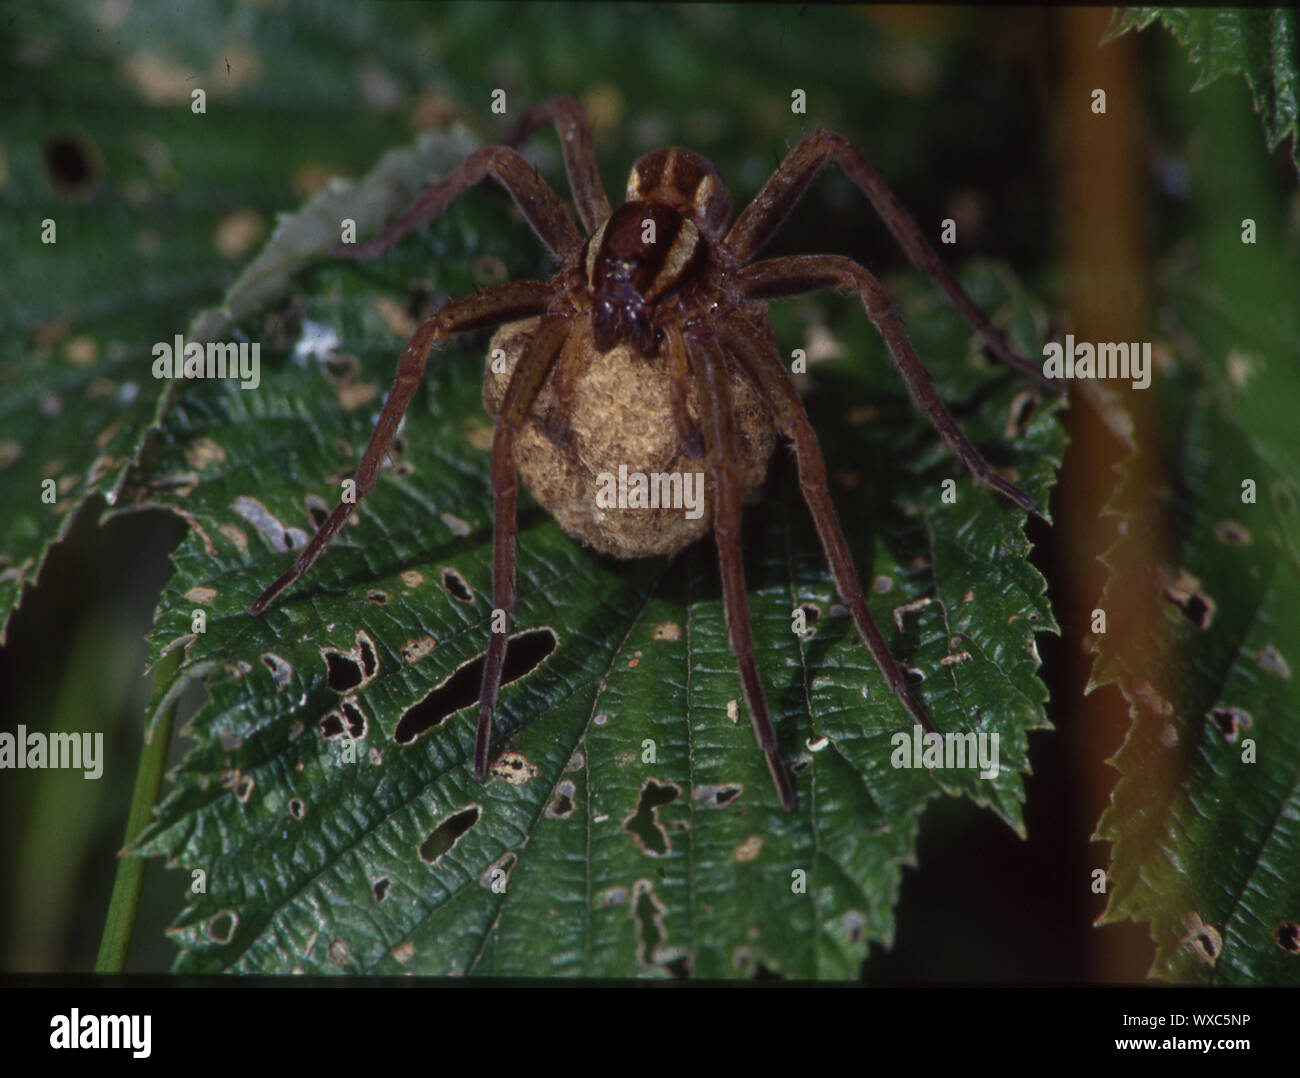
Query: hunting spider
pixel 666 286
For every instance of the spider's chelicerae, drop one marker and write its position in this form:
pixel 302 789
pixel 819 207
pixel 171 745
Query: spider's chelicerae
pixel 662 307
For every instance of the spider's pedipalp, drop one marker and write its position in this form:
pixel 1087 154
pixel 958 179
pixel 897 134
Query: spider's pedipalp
pixel 789 276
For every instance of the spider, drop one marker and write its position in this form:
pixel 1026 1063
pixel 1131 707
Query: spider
pixel 667 284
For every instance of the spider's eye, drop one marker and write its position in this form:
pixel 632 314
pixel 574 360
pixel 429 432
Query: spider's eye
pixel 659 336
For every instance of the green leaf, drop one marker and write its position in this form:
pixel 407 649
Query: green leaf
pixel 1256 43
pixel 317 863
pixel 101 142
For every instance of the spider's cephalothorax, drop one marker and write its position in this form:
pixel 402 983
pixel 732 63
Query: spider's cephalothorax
pixel 644 252
pixel 660 243
pixel 651 348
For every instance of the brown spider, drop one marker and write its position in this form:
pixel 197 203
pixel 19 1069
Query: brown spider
pixel 664 280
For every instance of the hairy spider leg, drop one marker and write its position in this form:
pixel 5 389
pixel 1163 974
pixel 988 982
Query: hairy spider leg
pixel 776 277
pixel 579 151
pixel 778 389
pixel 541 206
pixel 529 374
pixel 761 218
pixel 710 370
pixel 505 303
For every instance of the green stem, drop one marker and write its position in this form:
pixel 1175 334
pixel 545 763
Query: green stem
pixel 129 880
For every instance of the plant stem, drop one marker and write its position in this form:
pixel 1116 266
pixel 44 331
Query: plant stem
pixel 129 880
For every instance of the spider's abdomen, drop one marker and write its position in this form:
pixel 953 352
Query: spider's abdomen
pixel 643 252
pixel 621 422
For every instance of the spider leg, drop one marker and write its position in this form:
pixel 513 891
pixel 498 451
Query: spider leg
pixel 761 218
pixel 529 374
pixel 539 204
pixel 564 374
pixel 775 277
pixel 709 368
pixel 689 439
pixel 579 154
pixel 781 395
pixel 501 304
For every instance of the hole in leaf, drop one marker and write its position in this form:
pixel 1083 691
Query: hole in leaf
pixel 297 809
pixel 643 825
pixel 443 837
pixel 719 796
pixel 1287 936
pixel 281 671
pixel 1185 593
pixel 524 653
pixel 456 586
pixel 70 162
pixel 1231 720
pixel 355 719
pixel 222 925
pixel 332 725
pixel 647 910
pixel 1204 941
pixel 380 888
pixel 317 510
pixel 562 804
pixel 343 672
pixel 366 649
